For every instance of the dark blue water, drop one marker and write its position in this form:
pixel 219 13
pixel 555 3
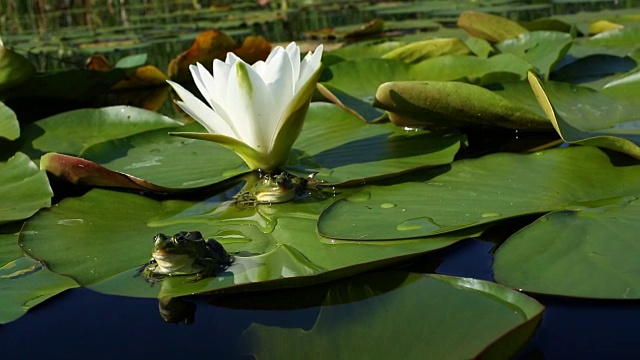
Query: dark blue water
pixel 85 324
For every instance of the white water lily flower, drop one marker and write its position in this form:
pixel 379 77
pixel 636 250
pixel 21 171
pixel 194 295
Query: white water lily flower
pixel 256 110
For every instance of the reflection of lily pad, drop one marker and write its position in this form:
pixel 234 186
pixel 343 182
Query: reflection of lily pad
pixel 471 192
pixel 269 242
pixel 477 319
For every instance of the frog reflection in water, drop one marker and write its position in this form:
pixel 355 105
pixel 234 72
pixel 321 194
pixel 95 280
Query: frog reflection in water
pixel 185 253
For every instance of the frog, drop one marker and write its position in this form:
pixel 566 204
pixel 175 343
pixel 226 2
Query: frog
pixel 274 189
pixel 185 253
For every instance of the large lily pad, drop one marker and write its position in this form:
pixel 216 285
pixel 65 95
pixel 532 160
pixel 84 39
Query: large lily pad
pixel 484 190
pixel 612 132
pixel 542 49
pixel 338 145
pixel 25 282
pixel 489 27
pixel 343 149
pixel 269 243
pixel 14 68
pixel 478 319
pixel 414 103
pixel 359 79
pixel 74 131
pixel 24 189
pixel 584 251
pixel 9 126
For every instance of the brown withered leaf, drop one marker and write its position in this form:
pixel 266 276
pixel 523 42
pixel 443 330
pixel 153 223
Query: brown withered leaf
pixel 208 45
pixel 97 62
pixel 84 172
pixel 253 49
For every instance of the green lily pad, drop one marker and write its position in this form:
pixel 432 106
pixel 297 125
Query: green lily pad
pixel 626 38
pixel 479 191
pixel 74 131
pixel 360 79
pixel 25 282
pixel 426 49
pixel 100 243
pixel 489 27
pixel 364 50
pixel 623 135
pixel 24 189
pixel 14 68
pixel 9 126
pixel 414 103
pixel 542 49
pixel 584 251
pixel 478 320
pixel 623 87
pixel 168 161
pixel 343 149
pixel 334 143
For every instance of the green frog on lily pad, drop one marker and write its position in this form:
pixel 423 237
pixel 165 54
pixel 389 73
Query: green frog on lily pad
pixel 185 253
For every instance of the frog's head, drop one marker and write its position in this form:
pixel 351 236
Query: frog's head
pixel 178 251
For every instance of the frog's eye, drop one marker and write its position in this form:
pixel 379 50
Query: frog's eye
pixel 179 239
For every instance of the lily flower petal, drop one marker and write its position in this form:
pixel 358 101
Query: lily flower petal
pixel 200 112
pixel 256 110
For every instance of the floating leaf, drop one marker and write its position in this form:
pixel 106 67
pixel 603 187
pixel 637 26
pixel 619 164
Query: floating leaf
pixel 601 26
pixel 25 282
pixel 372 28
pixel 542 49
pixel 208 45
pixel 333 142
pixel 452 104
pixel 623 136
pixel 588 250
pixel 14 68
pixel 422 50
pixel 356 81
pixel 626 38
pixel 74 131
pixel 478 320
pixel 269 243
pixel 84 172
pixel 343 149
pixel 492 28
pixel 25 189
pixel 9 126
pixel 479 191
